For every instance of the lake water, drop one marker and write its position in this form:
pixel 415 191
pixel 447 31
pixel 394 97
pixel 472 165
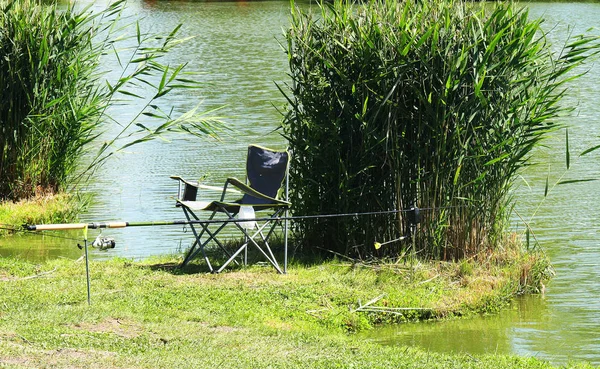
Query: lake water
pixel 235 50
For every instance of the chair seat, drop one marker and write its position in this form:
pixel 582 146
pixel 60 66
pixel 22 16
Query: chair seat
pixel 231 207
pixel 200 205
pixel 217 206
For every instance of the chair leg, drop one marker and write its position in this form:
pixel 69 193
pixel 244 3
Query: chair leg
pixel 250 239
pixel 246 251
pixel 285 239
pixel 192 252
pixel 198 242
pixel 235 254
pixel 270 258
pixel 196 246
pixel 201 244
pixel 267 246
pixel 213 237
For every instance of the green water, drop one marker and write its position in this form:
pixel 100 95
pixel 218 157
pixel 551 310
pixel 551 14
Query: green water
pixel 42 247
pixel 502 334
pixel 236 52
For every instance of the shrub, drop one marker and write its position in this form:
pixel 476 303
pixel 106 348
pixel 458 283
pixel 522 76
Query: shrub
pixel 434 104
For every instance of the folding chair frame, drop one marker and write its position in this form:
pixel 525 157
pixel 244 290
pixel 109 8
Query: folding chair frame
pixel 205 235
pixel 250 237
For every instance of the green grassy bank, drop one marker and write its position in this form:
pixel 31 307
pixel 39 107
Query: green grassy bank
pixel 60 208
pixel 153 315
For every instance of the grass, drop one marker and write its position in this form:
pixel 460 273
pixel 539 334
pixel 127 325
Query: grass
pixel 151 314
pixel 59 208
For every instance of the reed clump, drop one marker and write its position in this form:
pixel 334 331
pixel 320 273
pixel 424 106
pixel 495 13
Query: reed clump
pixel 57 90
pixel 45 115
pixel 430 104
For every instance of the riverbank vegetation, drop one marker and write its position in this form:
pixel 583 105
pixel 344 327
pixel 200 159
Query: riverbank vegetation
pixel 154 314
pixel 62 68
pixel 436 105
pixel 58 208
pixel 45 68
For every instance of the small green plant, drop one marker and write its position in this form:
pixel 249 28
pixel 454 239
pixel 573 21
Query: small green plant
pixel 465 268
pixel 59 208
pixel 56 93
pixel 430 104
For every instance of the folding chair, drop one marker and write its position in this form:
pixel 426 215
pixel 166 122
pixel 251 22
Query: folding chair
pixel 267 181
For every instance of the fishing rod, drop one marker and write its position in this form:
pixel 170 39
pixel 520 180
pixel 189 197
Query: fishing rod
pixel 104 243
pixel 415 218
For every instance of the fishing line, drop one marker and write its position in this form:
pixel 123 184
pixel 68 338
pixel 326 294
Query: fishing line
pixel 5 227
pixel 104 243
pixel 121 224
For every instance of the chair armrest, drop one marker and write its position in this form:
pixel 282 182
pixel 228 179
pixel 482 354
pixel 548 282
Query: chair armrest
pixel 189 183
pixel 189 192
pixel 244 188
pixel 205 187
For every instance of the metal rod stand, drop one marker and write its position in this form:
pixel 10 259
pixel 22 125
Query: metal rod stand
pixel 87 271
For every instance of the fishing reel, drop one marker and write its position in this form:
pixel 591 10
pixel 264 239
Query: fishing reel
pixel 104 243
pixel 101 243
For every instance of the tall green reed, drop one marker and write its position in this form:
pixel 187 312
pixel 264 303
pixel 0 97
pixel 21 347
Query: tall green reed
pixel 430 104
pixel 56 96
pixel 39 50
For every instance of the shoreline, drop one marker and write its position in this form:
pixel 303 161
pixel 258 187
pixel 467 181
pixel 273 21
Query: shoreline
pixel 151 313
pixel 49 208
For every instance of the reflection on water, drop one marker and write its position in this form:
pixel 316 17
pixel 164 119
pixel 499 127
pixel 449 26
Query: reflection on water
pixel 40 248
pixel 236 55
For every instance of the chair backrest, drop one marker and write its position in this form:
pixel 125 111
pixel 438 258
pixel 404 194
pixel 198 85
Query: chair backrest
pixel 266 170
